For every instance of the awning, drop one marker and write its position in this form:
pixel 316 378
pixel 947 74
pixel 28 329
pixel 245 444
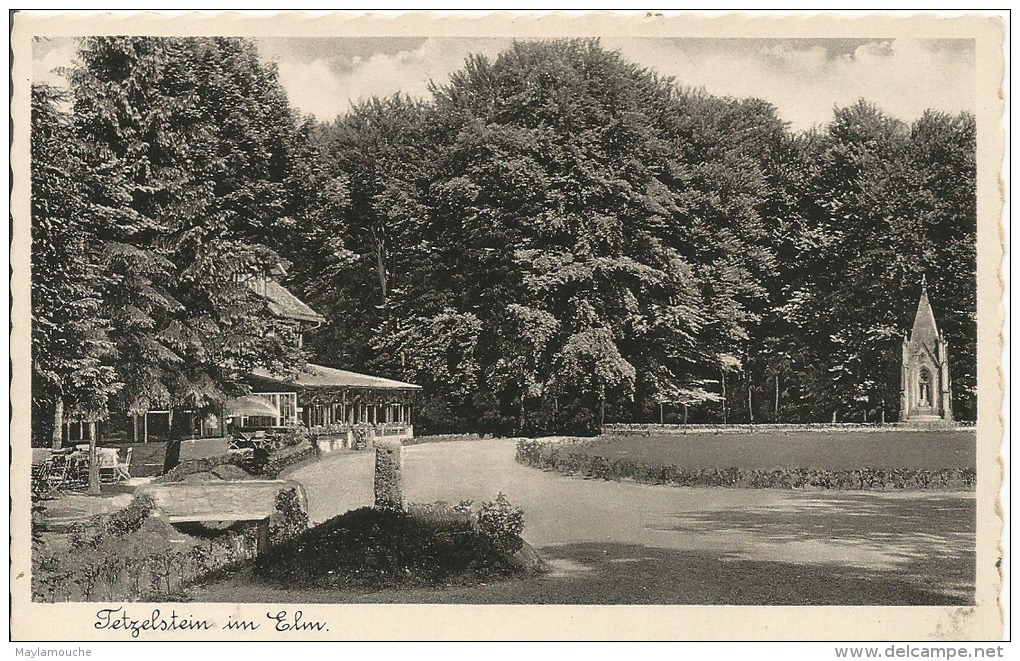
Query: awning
pixel 318 376
pixel 250 405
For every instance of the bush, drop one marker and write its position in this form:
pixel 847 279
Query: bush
pixel 569 457
pixel 295 435
pixel 95 531
pixel 290 519
pixel 427 545
pixel 361 435
pixel 278 462
pixel 441 511
pixel 388 488
pixel 502 524
pixel 132 561
pixel 244 460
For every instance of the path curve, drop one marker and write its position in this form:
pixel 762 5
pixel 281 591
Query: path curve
pixel 561 510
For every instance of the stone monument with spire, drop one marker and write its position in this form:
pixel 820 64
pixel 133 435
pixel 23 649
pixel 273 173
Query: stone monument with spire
pixel 925 395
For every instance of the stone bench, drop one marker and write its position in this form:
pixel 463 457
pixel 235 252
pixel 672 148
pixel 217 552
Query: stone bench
pixel 205 502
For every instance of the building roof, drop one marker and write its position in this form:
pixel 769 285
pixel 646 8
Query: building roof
pixel 319 376
pixel 925 330
pixel 284 304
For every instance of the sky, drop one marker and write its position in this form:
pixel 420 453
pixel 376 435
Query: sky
pixel 803 78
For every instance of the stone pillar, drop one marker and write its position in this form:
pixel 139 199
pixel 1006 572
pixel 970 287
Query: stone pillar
pixel 944 384
pixel 389 493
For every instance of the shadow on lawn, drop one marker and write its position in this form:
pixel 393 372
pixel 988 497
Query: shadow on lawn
pixel 633 574
pixel 929 543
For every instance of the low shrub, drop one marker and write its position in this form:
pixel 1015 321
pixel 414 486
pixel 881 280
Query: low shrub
pixel 562 457
pixel 426 545
pixel 295 435
pixel 361 434
pixel 93 532
pixel 244 460
pixel 284 459
pixel 441 438
pixel 151 563
pixel 289 519
pixel 441 511
pixel 502 524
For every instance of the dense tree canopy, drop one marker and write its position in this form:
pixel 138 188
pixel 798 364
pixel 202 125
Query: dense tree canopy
pixel 207 139
pixel 568 234
pixel 555 238
pixel 183 170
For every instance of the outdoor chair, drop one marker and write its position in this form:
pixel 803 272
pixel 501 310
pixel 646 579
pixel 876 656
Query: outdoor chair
pixel 111 469
pixel 108 458
pixel 77 475
pixel 57 470
pixel 124 469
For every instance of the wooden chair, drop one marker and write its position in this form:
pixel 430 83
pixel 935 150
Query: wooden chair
pixel 57 471
pixel 124 469
pixel 108 462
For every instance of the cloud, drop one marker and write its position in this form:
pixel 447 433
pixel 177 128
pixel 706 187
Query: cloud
pixel 50 56
pixel 805 81
pixel 321 88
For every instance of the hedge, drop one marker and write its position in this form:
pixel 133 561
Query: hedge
pixel 255 462
pixel 558 456
pixel 130 555
pixel 432 544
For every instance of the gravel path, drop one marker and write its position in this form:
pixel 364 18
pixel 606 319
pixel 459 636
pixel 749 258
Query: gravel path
pixel 814 528
pixel 627 543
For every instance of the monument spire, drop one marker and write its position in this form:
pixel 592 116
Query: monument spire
pixel 925 395
pixel 925 328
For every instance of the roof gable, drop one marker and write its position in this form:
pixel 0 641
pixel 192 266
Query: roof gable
pixel 320 376
pixel 286 305
pixel 924 331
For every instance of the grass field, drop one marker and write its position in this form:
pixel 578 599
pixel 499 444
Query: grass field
pixel 832 450
pixel 626 543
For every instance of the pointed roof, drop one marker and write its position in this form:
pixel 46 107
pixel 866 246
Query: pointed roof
pixel 286 305
pixel 925 330
pixel 319 376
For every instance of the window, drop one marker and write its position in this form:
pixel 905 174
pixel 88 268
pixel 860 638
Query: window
pixel 285 403
pixel 925 387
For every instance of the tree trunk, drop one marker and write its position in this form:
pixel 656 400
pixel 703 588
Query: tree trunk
pixel 662 417
pixel 58 424
pixel 602 408
pixel 380 263
pixel 685 414
pixel 724 397
pixel 750 404
pixel 93 461
pixel 777 397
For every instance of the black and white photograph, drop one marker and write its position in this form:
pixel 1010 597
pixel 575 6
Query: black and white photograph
pixel 595 317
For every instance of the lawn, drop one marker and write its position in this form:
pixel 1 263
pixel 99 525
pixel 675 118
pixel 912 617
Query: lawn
pixel 827 450
pixel 626 543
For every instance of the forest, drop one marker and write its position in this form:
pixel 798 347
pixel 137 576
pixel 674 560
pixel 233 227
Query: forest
pixel 554 239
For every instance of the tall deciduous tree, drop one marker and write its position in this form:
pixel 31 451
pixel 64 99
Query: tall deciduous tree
pixel 202 130
pixel 75 198
pixel 559 235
